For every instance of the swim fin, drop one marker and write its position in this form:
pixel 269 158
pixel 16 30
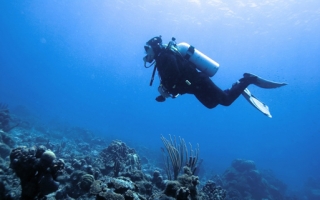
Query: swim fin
pixel 263 83
pixel 256 103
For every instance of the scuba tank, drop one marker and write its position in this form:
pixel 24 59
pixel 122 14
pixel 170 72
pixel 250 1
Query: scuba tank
pixel 202 62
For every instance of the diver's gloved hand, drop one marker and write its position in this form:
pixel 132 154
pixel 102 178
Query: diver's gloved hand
pixel 160 98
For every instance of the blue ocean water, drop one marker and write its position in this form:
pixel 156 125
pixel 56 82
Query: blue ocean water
pixel 80 62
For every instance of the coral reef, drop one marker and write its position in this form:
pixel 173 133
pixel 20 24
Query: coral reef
pixel 4 117
pixel 37 169
pixel 189 181
pixel 177 156
pixel 117 158
pixel 97 187
pixel 4 150
pixel 184 188
pixel 109 195
pixel 114 173
pixel 94 168
pixel 86 182
pixel 243 181
pixel 78 184
pixel 312 188
pixel 6 142
pixel 213 192
pixel 6 121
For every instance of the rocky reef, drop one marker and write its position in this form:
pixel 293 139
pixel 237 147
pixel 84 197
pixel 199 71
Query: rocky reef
pixel 312 189
pixel 4 117
pixel 37 162
pixel 38 169
pixel 244 181
pixel 114 173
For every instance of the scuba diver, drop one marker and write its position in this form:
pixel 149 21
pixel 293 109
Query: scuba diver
pixel 185 70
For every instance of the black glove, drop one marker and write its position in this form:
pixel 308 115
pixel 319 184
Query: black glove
pixel 160 99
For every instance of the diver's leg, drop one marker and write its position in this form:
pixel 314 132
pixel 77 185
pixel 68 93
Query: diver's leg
pixel 237 88
pixel 210 95
pixel 205 90
pixel 208 100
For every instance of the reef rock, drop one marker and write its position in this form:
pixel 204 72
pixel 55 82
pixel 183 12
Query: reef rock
pixel 243 181
pixel 37 169
pixel 118 158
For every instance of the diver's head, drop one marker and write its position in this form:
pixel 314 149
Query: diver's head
pixel 150 54
pixel 152 48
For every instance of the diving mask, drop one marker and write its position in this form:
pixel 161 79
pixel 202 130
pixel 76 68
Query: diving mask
pixel 150 54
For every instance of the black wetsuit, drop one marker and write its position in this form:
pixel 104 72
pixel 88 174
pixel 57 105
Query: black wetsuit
pixel 174 71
